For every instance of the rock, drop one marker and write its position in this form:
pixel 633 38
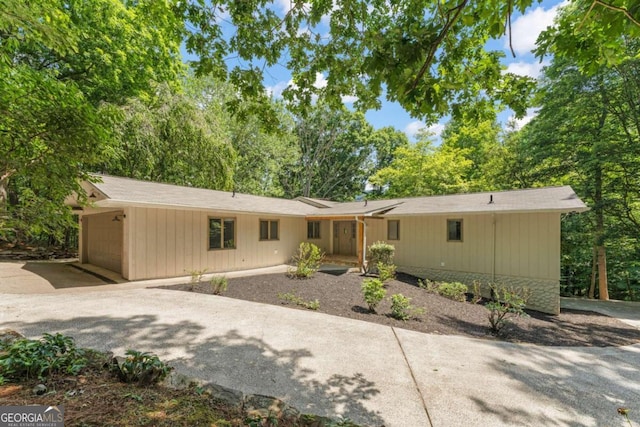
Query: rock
pixel 39 389
pixel 8 336
pixel 256 405
pixel 178 381
pixel 231 397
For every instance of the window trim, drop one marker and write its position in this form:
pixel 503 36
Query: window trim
pixel 315 227
pixel 222 220
pixel 397 221
pixel 269 230
pixel 460 220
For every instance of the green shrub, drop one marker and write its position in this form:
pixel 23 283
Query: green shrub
pixel 307 260
pixel 373 292
pixel 386 271
pixel 455 291
pixel 379 253
pixel 293 298
pixel 24 358
pixel 428 285
pixel 507 303
pixel 142 368
pixel 196 277
pixel 219 284
pixel 476 293
pixel 402 309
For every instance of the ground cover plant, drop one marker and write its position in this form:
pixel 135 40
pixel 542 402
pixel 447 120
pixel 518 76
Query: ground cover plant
pixel 342 295
pixel 107 391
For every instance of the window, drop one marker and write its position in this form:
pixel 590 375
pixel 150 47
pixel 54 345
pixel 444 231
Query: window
pixel 268 229
pixel 222 233
pixel 313 230
pixel 454 230
pixel 393 229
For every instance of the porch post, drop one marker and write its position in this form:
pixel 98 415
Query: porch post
pixel 362 241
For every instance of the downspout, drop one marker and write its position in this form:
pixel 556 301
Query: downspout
pixel 493 249
pixel 364 242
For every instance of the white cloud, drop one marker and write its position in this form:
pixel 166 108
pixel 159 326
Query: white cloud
pixel 412 129
pixel 531 69
pixel 321 81
pixel 276 90
pixel 526 28
pixel 519 123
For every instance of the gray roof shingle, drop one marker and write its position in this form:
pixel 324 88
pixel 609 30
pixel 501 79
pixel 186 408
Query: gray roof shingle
pixel 120 192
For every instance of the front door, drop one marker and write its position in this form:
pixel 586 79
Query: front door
pixel 344 238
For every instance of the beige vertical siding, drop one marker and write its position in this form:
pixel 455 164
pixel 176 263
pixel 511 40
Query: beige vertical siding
pixel 324 242
pixel 104 240
pixel 526 245
pixel 167 243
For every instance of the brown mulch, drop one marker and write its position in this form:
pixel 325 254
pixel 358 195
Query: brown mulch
pixel 340 295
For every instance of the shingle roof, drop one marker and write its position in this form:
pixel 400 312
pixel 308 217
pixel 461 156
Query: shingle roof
pixel 547 199
pixel 128 192
pixel 121 192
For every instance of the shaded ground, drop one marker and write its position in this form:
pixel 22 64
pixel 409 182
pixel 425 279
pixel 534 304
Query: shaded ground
pixel 340 295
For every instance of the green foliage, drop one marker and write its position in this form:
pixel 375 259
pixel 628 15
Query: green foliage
pixel 218 284
pixel 373 292
pixel 293 298
pixel 428 285
pixel 196 277
pixel 62 67
pixel 455 291
pixel 386 271
pixel 24 358
pixel 402 309
pixel 507 303
pixel 307 260
pixel 422 170
pixel 142 368
pixel 379 253
pixel 476 292
pixel 335 148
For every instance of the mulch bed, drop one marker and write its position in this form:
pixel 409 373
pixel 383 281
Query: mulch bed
pixel 340 295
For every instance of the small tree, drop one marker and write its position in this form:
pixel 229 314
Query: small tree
pixel 507 303
pixel 373 292
pixel 307 259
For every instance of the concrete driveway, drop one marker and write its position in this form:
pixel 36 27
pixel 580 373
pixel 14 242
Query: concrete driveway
pixel 373 374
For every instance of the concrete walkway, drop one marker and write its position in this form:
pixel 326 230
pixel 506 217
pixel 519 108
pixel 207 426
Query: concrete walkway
pixel 373 374
pixel 626 311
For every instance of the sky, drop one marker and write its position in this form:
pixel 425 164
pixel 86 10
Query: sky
pixel 525 30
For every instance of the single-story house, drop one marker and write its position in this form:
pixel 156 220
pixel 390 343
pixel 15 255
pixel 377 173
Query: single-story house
pixel 145 230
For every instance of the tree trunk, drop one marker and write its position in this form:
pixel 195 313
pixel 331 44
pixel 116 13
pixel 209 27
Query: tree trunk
pixel 603 290
pixel 594 273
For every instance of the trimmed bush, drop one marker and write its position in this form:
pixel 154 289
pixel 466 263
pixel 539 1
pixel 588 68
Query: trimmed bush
pixel 455 291
pixel 402 309
pixel 307 260
pixel 373 292
pixel 379 253
pixel 386 271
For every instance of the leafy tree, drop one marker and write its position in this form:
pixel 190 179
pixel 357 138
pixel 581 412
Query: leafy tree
pixel 479 140
pixel 586 135
pixel 335 155
pixel 423 170
pixel 172 139
pixel 61 64
pixel 428 55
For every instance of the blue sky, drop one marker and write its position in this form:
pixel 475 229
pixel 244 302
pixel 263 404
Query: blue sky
pixel 525 30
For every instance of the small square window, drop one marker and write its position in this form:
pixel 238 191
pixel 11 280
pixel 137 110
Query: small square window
pixel 269 229
pixel 454 230
pixel 393 229
pixel 313 230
